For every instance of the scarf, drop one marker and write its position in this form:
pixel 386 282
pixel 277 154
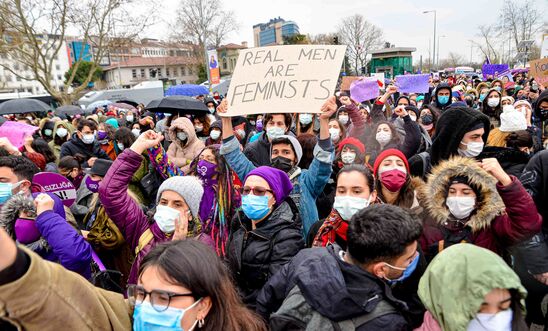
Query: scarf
pixel 207 205
pixel 333 226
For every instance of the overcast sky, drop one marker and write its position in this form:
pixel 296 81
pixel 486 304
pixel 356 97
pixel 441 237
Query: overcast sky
pixel 402 21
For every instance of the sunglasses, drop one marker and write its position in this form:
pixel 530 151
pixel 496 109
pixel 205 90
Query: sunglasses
pixel 257 190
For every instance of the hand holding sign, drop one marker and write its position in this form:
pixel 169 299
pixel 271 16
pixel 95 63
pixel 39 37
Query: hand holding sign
pixel 223 106
pixel 43 202
pixel 329 108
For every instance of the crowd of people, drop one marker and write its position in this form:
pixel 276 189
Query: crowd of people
pixel 405 212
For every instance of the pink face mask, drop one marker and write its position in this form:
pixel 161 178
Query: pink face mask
pixel 26 231
pixel 393 180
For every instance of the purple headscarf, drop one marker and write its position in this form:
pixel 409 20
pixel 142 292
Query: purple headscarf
pixel 277 180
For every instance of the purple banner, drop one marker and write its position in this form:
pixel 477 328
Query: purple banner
pixel 493 69
pixel 364 89
pixel 54 183
pixel 413 83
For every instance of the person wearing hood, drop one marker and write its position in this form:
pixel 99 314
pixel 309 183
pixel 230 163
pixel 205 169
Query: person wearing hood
pixel 176 215
pixel 540 110
pixel 266 231
pixel 348 289
pixel 286 153
pixel 62 131
pixel 478 203
pixel 185 144
pixel 492 107
pixel 40 225
pixel 524 107
pixel 442 98
pixel 490 295
pixel 459 131
pixel 215 134
pixel 46 129
pixel 428 118
pixel 83 142
pixel 105 137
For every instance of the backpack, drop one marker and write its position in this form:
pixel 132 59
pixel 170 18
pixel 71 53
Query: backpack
pixel 296 314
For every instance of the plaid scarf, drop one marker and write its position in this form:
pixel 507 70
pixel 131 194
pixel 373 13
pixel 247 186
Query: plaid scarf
pixel 333 226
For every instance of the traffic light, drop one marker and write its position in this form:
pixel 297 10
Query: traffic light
pixel 362 69
pixel 335 40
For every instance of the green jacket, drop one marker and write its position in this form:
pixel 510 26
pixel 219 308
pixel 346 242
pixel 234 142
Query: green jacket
pixel 454 285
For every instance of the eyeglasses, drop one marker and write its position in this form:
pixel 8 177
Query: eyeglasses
pixel 257 190
pixel 159 300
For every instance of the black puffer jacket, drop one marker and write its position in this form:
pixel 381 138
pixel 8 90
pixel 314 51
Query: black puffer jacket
pixel 512 160
pixel 76 146
pixel 258 152
pixel 335 289
pixel 255 255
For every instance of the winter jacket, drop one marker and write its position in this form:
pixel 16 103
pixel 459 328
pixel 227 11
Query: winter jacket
pixel 455 283
pixel 438 106
pixel 76 146
pixel 181 155
pixel 59 242
pixel 108 148
pixel 492 113
pixel 258 151
pixel 335 289
pixel 82 204
pixel 48 297
pixel 539 115
pixel 307 185
pixel 255 255
pixel 125 212
pixel 512 160
pixel 505 215
pixel 451 127
pixel 57 148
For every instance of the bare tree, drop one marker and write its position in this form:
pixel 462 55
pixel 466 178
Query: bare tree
pixel 489 44
pixel 323 39
pixel 453 60
pixel 361 37
pixel 521 19
pixel 204 22
pixel 34 32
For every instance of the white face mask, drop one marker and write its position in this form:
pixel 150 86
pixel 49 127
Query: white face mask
pixel 199 128
pixel 348 157
pixel 241 133
pixel 305 119
pixel 343 119
pixel 88 138
pixel 274 132
pixel 129 118
pixel 347 206
pixel 461 207
pixel 413 117
pixel 334 133
pixel 383 137
pixel 215 134
pixel 507 108
pixel 182 136
pixel 501 321
pixel 493 102
pixel 136 132
pixel 473 149
pixel 120 146
pixel 165 218
pixel 62 132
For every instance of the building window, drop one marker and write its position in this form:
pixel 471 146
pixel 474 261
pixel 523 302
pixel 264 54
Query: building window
pixel 175 72
pixel 142 73
pixel 134 73
pixel 167 72
pixel 190 70
pixel 224 63
pixel 159 71
pixel 183 71
pixel 151 73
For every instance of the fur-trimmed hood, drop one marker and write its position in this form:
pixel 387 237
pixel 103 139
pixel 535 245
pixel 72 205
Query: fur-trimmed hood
pixel 11 210
pixel 489 204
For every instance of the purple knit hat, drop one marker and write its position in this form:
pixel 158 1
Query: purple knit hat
pixel 277 180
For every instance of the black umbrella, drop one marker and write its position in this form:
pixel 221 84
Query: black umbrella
pixel 129 102
pixel 65 111
pixel 23 106
pixel 178 105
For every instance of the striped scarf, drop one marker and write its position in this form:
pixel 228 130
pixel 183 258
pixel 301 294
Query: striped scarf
pixel 333 226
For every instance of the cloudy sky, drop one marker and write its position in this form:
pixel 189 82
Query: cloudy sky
pixel 402 21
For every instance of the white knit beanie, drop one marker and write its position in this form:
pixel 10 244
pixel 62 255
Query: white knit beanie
pixel 189 187
pixel 512 120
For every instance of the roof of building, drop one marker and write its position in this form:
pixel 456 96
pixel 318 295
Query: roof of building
pixel 231 46
pixel 154 61
pixel 393 50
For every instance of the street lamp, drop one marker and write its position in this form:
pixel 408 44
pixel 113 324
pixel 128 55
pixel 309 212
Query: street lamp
pixel 471 48
pixel 433 48
pixel 438 51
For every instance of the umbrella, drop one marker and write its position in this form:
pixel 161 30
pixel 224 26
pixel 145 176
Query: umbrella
pixel 23 106
pixel 94 105
pixel 178 104
pixel 189 90
pixel 129 102
pixel 71 110
pixel 122 105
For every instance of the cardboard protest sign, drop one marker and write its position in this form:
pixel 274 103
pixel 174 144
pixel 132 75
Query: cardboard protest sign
pixel 54 183
pixel 284 79
pixel 347 81
pixel 539 70
pixel 364 89
pixel 493 69
pixel 16 132
pixel 413 83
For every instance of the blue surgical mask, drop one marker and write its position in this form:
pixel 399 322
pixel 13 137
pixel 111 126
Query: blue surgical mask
pixel 274 132
pixel 406 272
pixel 482 96
pixel 255 207
pixel 146 318
pixel 6 191
pixel 443 99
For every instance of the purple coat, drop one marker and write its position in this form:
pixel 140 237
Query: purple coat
pixel 124 211
pixel 68 248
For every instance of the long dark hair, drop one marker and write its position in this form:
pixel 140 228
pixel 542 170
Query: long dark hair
pixel 41 146
pixel 518 320
pixel 125 136
pixel 195 266
pixel 394 140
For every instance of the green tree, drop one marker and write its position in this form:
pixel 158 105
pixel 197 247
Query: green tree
pixel 82 72
pixel 296 39
pixel 202 74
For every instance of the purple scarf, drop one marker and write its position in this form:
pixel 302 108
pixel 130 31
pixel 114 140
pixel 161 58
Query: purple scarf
pixel 207 205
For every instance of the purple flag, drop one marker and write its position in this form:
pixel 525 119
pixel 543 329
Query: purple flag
pixel 493 69
pixel 364 89
pixel 413 83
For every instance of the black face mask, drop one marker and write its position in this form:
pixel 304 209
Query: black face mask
pixel 427 119
pixel 282 163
